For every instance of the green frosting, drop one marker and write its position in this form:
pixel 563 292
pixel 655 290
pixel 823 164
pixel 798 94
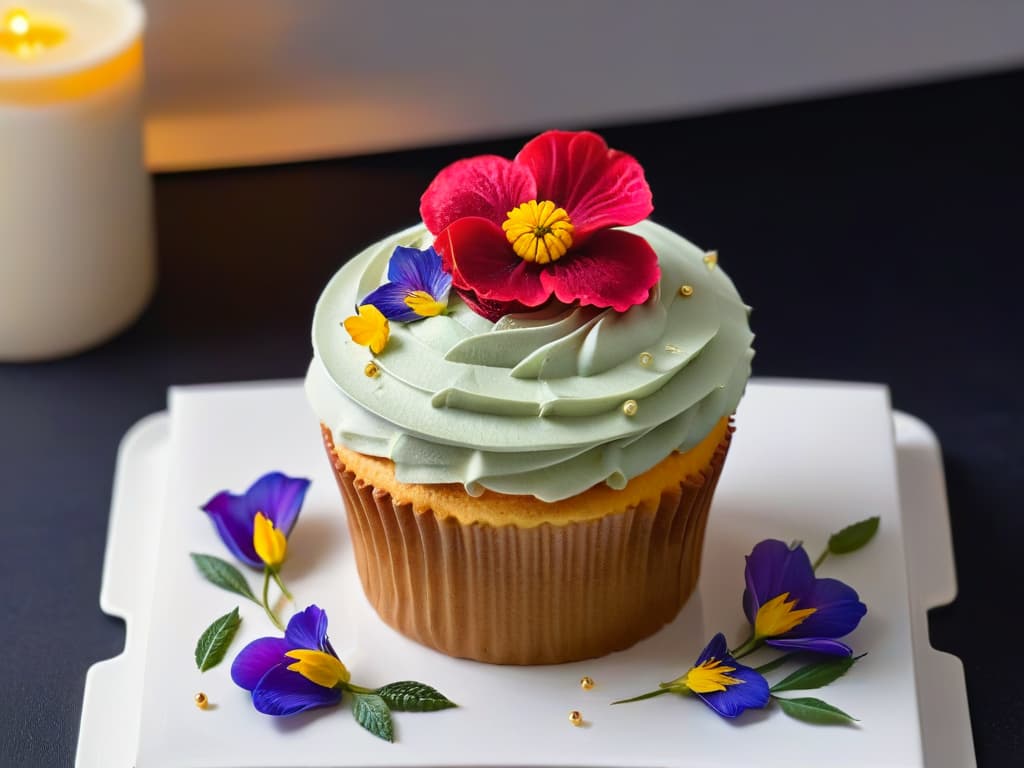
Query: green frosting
pixel 532 404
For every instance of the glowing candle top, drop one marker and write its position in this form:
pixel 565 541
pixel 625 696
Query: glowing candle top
pixel 46 39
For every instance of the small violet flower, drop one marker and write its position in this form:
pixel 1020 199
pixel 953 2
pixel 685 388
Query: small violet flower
pixel 721 682
pixel 717 679
pixel 789 607
pixel 256 524
pixel 417 286
pixel 297 672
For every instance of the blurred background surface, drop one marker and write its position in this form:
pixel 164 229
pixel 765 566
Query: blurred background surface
pixel 238 83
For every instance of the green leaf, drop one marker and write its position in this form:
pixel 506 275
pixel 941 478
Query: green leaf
pixel 410 696
pixel 224 575
pixel 816 675
pixel 814 711
pixel 853 537
pixel 371 712
pixel 214 642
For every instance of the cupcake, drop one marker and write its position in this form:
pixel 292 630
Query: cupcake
pixel 529 409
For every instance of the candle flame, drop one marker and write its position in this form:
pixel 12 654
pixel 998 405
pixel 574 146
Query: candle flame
pixel 24 36
pixel 17 22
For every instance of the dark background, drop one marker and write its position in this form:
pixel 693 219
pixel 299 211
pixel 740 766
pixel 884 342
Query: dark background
pixel 877 236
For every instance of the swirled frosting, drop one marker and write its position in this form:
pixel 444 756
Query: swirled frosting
pixel 533 404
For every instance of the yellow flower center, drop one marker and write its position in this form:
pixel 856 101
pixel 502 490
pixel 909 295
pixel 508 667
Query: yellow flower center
pixel 270 544
pixel 540 232
pixel 318 667
pixel 776 617
pixel 710 676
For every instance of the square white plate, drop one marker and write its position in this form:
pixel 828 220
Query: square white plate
pixel 807 459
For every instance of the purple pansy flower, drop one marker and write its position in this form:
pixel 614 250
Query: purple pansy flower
pixel 291 674
pixel 276 500
pixel 417 286
pixel 722 683
pixel 789 607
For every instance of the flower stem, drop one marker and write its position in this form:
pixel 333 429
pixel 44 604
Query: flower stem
pixel 266 605
pixel 281 586
pixel 774 663
pixel 820 560
pixel 357 688
pixel 749 646
pixel 642 696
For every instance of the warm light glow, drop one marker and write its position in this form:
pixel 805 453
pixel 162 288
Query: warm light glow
pixel 17 22
pixel 24 37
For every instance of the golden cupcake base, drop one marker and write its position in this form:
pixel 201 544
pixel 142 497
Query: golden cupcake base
pixel 543 594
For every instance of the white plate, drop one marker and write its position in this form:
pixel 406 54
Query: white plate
pixel 808 459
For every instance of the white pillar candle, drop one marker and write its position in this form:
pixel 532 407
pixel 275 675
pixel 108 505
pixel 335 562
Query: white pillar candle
pixel 76 250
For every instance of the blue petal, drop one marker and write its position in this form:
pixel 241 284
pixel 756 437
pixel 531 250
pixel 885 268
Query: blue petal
pixel 823 645
pixel 281 692
pixel 307 629
pixel 774 568
pixel 234 522
pixel 256 659
pixel 839 610
pixel 279 498
pixel 752 693
pixel 716 649
pixel 418 271
pixel 390 300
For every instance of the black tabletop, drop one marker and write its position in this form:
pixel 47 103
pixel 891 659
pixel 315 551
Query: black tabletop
pixel 877 236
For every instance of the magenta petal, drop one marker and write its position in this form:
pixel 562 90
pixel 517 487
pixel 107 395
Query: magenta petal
pixel 281 692
pixel 615 269
pixel 256 659
pixel 480 258
pixel 307 629
pixel 598 187
pixel 487 186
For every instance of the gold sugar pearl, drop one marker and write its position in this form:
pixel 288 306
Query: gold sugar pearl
pixel 711 259
pixel 576 718
pixel 586 682
pixel 630 407
pixel 646 358
pixel 686 291
pixel 372 370
pixel 201 700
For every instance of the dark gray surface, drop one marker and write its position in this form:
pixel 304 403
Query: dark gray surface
pixel 878 238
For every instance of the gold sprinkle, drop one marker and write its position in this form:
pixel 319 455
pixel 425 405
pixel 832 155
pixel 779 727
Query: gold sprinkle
pixel 646 358
pixel 586 682
pixel 201 700
pixel 673 349
pixel 711 259
pixel 576 718
pixel 630 407
pixel 372 370
pixel 686 291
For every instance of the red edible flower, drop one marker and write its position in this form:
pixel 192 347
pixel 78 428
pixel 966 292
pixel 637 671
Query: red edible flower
pixel 512 233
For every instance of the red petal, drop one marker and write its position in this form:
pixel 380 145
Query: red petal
pixel 616 269
pixel 477 254
pixel 597 186
pixel 487 186
pixel 492 310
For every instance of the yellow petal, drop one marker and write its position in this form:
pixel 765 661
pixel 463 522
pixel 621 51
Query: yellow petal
pixel 270 544
pixel 777 616
pixel 318 667
pixel 369 328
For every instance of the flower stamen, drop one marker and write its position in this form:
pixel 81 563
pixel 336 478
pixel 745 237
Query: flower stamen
pixel 777 616
pixel 318 667
pixel 539 232
pixel 710 676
